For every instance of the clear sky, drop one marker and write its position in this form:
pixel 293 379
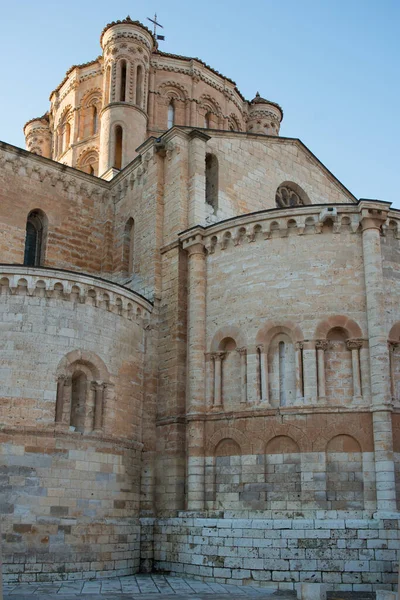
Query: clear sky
pixel 333 65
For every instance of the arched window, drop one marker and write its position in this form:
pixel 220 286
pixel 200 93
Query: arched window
pixel 171 114
pixel 212 181
pixel 139 85
pixel 290 194
pixel 36 229
pixel 118 147
pixel 107 95
pixel 78 400
pixel 129 246
pixel 207 120
pixel 94 120
pixel 282 371
pixel 122 89
pixel 66 137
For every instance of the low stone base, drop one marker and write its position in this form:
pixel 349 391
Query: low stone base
pixel 347 551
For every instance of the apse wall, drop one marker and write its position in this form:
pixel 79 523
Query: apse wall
pixel 72 363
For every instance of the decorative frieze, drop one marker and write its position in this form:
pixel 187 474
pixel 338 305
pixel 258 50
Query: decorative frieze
pixel 81 289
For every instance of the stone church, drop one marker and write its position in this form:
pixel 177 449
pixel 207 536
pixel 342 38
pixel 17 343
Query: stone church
pixel 200 339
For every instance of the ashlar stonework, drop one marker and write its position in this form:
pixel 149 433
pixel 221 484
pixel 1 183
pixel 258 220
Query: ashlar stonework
pixel 200 347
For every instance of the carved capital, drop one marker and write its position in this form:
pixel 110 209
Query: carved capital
pixel 393 346
pixel 242 351
pixel 299 345
pixel 260 347
pixel 68 381
pixel 218 356
pixel 373 218
pixel 322 345
pixel 354 344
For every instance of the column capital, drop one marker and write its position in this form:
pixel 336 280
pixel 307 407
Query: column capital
pixel 193 242
pixel 260 347
pixel 218 355
pixel 393 345
pixel 67 380
pixel 299 345
pixel 372 215
pixel 242 351
pixel 322 345
pixel 354 344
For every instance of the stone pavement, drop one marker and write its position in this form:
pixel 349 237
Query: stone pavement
pixel 145 587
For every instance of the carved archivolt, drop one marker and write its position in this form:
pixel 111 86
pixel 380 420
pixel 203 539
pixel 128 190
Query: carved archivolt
pixel 270 329
pixel 91 98
pixel 88 157
pixel 228 332
pixel 210 104
pixel 352 329
pixel 66 115
pixel 172 89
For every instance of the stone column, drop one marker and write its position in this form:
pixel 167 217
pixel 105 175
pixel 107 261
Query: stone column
pixel 372 218
pixel 354 346
pixel 98 405
pixel 392 350
pixel 263 373
pixel 309 372
pixel 299 372
pixel 60 399
pixel 218 358
pixel 321 346
pixel 253 376
pixel 196 347
pixel 243 374
pixel 66 401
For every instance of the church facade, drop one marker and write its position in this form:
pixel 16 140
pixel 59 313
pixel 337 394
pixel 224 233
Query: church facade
pixel 200 350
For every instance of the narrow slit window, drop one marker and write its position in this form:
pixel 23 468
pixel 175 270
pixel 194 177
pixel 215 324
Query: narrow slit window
pixel 118 147
pixel 171 115
pixel 212 181
pixel 122 93
pixel 94 120
pixel 139 85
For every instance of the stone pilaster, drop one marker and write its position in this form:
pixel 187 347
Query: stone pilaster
pixel 197 177
pixel 195 394
pixel 372 219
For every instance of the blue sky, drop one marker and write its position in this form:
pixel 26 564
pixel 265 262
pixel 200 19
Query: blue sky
pixel 333 65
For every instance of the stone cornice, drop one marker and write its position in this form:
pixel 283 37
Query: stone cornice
pixel 74 287
pixel 256 411
pixel 55 432
pixel 271 223
pixel 47 170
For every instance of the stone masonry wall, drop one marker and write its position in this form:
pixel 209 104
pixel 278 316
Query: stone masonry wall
pixel 251 169
pixel 70 506
pixel 349 551
pixel 70 452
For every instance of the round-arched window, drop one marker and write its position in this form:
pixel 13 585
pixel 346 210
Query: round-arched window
pixel 286 197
